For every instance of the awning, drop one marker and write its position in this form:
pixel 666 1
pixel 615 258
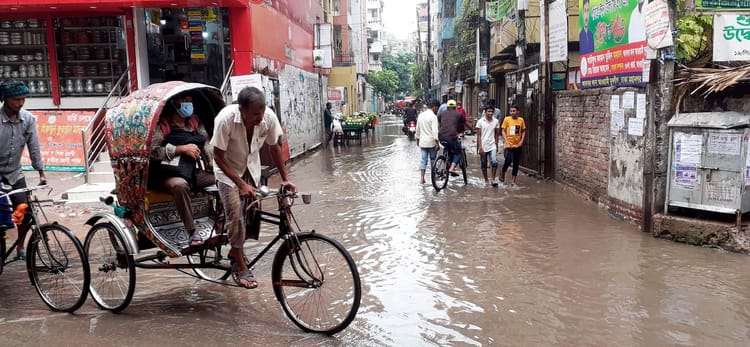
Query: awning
pixel 716 120
pixel 23 6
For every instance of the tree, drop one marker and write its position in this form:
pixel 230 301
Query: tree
pixel 694 36
pixel 400 64
pixel 384 82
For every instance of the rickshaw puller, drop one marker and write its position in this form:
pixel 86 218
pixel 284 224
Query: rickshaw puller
pixel 18 130
pixel 179 143
pixel 239 133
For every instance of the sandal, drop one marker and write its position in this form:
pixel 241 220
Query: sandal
pixel 20 255
pixel 246 276
pixel 196 240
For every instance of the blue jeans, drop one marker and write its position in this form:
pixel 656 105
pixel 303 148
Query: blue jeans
pixel 492 155
pixel 432 153
pixel 454 147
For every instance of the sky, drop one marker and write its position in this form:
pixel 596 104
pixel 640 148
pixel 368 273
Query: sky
pixel 400 17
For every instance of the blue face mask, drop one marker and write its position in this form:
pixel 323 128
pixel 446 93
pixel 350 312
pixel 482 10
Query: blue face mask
pixel 186 109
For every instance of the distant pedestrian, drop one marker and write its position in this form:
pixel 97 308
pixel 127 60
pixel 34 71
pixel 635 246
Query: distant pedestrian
pixel 514 132
pixel 488 133
pixel 427 136
pixel 462 111
pixel 327 121
pixel 497 114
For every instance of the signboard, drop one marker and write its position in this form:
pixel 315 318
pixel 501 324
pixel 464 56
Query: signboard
pixel 501 10
pixel 337 97
pixel 658 28
pixel 60 140
pixel 731 37
pixel 239 82
pixel 723 5
pixel 612 43
pixel 558 32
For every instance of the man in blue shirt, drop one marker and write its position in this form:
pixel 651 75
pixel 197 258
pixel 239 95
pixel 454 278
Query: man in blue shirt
pixel 18 130
pixel 586 37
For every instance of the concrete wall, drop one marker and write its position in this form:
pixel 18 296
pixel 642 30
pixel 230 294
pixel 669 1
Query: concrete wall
pixel 604 165
pixel 346 76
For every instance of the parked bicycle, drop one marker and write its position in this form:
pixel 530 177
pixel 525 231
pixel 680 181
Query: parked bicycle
pixel 55 260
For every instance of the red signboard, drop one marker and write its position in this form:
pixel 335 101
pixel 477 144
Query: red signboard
pixel 60 139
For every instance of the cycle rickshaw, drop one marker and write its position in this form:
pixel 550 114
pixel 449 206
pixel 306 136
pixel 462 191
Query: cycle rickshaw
pixel 313 276
pixel 55 260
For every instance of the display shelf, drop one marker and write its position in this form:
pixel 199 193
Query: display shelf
pixel 10 30
pixel 33 78
pixel 91 28
pixel 30 62
pixel 23 47
pixel 83 61
pixel 98 78
pixel 111 44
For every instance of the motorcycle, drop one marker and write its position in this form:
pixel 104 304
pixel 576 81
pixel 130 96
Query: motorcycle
pixel 411 129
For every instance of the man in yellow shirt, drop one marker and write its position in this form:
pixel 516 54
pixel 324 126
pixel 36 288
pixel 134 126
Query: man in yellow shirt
pixel 514 132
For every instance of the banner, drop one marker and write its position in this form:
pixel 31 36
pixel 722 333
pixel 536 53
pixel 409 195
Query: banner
pixel 500 10
pixel 723 5
pixel 60 140
pixel 658 28
pixel 731 37
pixel 612 42
pixel 558 32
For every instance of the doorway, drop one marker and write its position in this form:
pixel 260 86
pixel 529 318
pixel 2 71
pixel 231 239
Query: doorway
pixel 188 44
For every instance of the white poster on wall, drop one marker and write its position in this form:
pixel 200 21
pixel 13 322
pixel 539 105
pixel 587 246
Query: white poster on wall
pixel 558 32
pixel 658 30
pixel 239 82
pixel 724 143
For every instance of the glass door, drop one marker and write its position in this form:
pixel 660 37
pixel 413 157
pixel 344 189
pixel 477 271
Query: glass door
pixel 187 44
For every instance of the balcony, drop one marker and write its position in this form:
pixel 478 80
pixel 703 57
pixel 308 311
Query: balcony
pixel 341 59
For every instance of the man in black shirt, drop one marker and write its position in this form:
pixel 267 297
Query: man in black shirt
pixel 451 125
pixel 327 121
pixel 410 115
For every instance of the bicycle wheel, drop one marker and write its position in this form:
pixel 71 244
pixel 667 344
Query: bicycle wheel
pixel 2 251
pixel 210 256
pixel 463 167
pixel 112 268
pixel 317 283
pixel 439 173
pixel 58 268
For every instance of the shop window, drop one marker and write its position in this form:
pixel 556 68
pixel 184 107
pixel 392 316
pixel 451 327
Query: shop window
pixel 91 54
pixel 24 56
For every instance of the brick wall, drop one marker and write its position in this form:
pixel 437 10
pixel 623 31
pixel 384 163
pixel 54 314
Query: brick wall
pixel 582 140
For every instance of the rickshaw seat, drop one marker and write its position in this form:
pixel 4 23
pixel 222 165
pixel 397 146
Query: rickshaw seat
pixel 155 196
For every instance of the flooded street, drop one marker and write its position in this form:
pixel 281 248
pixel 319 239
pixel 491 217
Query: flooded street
pixel 467 266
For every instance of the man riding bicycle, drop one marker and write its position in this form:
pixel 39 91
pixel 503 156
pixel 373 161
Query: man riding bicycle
pixel 451 126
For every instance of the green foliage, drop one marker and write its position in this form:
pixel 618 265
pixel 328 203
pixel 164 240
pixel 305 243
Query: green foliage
pixel 463 51
pixel 694 36
pixel 400 64
pixel 384 82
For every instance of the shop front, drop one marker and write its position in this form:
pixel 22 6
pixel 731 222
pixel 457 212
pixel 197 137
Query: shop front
pixel 73 53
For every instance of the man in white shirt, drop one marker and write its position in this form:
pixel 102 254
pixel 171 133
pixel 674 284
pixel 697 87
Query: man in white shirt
pixel 239 133
pixel 488 133
pixel 427 136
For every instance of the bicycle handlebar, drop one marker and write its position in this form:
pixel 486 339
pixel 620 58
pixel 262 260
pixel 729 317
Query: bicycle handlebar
pixel 24 190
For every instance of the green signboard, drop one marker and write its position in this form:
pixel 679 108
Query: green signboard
pixel 613 23
pixel 722 5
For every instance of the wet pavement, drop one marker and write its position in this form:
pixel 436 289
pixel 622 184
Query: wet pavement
pixel 467 266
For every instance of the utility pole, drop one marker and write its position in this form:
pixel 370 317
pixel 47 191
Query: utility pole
pixel 419 50
pixel 429 47
pixel 484 54
pixel 545 102
pixel 521 43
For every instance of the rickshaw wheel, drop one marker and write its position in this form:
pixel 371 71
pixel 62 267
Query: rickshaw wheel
pixel 210 256
pixel 112 268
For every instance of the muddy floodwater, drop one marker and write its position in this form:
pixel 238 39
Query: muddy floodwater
pixel 533 265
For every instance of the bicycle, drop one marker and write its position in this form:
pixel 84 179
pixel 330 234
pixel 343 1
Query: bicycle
pixel 441 166
pixel 313 276
pixel 55 261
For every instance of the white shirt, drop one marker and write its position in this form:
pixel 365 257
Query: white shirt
pixel 427 129
pixel 230 136
pixel 488 133
pixel 636 26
